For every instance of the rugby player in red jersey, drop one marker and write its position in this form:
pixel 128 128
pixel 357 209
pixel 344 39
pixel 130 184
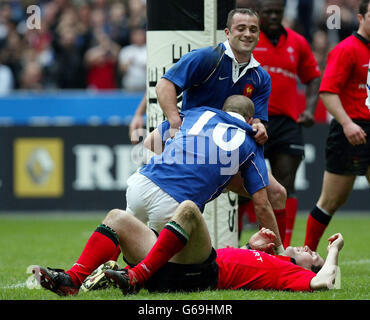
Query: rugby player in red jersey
pixel 194 265
pixel 191 263
pixel 287 57
pixel 343 92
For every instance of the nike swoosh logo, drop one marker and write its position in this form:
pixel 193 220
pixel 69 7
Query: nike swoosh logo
pixel 222 78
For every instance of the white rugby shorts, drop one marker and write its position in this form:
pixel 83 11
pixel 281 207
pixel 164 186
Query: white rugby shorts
pixel 148 202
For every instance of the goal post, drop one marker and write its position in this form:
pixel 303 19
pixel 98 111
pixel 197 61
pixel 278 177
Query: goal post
pixel 175 28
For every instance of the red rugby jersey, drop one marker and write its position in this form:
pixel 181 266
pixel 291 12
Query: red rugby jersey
pixel 289 60
pixel 346 75
pixel 252 269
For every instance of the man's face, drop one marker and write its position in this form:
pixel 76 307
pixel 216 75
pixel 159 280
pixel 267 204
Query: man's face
pixel 243 35
pixel 271 15
pixel 304 257
pixel 365 22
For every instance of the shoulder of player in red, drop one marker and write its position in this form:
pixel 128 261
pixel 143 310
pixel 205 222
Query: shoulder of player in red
pixel 291 57
pixel 346 74
pixel 286 62
pixel 341 62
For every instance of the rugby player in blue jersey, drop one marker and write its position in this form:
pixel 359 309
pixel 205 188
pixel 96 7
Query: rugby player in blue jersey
pixel 209 75
pixel 211 147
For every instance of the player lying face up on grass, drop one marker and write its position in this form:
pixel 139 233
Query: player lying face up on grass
pixel 182 259
pixel 156 190
pixel 195 265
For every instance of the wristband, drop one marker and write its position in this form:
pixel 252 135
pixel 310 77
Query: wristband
pixel 248 246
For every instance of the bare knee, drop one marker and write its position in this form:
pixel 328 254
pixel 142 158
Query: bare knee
pixel 115 218
pixel 187 212
pixel 188 208
pixel 277 195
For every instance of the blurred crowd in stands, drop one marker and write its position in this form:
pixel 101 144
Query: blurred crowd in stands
pixel 101 44
pixel 95 44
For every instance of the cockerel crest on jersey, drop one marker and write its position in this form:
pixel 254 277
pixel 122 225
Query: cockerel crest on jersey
pixel 248 90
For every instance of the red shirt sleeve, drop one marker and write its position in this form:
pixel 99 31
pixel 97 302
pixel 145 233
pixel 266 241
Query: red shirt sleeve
pixel 338 68
pixel 308 68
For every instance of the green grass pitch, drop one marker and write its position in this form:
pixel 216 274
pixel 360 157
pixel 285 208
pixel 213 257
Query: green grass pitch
pixel 57 240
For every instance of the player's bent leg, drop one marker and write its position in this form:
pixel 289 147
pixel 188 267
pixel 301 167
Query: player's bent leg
pixel 276 193
pixel 183 240
pixel 129 230
pixel 100 247
pixel 199 244
pixel 284 168
pixel 335 191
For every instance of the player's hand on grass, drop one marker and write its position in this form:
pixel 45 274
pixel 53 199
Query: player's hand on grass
pixel 263 240
pixel 336 241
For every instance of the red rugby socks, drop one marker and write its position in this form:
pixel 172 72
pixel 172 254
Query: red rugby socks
pixel 280 216
pixel 317 222
pixel 171 240
pixel 291 207
pixel 102 246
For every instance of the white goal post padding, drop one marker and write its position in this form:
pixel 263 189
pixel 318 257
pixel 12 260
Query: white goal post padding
pixel 164 48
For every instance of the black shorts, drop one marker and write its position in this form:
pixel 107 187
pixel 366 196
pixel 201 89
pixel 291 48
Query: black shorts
pixel 174 277
pixel 344 158
pixel 284 136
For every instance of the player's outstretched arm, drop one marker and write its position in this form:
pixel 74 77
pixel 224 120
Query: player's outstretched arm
pixel 137 122
pixel 266 217
pixel 326 278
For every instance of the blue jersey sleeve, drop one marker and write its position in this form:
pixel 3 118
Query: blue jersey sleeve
pixel 164 130
pixel 255 173
pixel 192 68
pixel 261 98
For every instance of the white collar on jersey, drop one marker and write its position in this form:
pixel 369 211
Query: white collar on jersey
pixel 253 63
pixel 236 115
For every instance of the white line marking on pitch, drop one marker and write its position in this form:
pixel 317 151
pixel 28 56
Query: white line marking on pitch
pixel 363 261
pixel 15 286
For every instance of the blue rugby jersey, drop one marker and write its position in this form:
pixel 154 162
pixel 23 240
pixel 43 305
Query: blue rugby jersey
pixel 207 77
pixel 210 147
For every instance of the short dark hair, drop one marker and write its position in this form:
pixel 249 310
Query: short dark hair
pixel 362 9
pixel 239 104
pixel 260 4
pixel 316 269
pixel 247 11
